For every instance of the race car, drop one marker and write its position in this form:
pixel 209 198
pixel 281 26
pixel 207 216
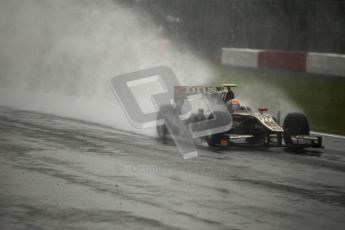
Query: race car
pixel 248 127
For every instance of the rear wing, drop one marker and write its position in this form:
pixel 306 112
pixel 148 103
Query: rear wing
pixel 184 91
pixel 229 85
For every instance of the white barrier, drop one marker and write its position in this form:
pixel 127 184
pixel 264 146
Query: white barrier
pixel 240 57
pixel 328 64
pixel 319 63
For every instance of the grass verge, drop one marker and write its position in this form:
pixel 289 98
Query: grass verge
pixel 322 98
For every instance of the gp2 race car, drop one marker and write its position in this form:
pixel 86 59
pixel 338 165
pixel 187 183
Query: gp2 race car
pixel 248 127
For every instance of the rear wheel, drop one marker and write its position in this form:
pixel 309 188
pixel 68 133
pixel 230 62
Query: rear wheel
pixel 162 132
pixel 295 124
pixel 169 114
pixel 215 139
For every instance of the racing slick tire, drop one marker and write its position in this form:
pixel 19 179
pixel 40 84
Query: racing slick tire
pixel 162 132
pixel 215 139
pixel 295 124
pixel 168 113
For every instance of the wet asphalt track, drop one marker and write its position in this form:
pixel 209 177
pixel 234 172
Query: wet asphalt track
pixel 59 173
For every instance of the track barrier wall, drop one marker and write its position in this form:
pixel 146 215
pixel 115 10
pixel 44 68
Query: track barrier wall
pixel 318 63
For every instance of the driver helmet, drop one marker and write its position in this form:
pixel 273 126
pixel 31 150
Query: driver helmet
pixel 233 105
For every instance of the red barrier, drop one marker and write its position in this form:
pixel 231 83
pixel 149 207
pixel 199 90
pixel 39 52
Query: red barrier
pixel 286 60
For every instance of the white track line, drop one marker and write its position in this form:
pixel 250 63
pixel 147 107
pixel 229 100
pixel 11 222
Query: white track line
pixel 328 135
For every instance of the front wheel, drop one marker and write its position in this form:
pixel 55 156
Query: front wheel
pixel 295 124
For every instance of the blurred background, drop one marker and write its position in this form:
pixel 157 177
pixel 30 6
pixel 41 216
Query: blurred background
pixel 305 26
pixel 58 56
pixel 209 25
